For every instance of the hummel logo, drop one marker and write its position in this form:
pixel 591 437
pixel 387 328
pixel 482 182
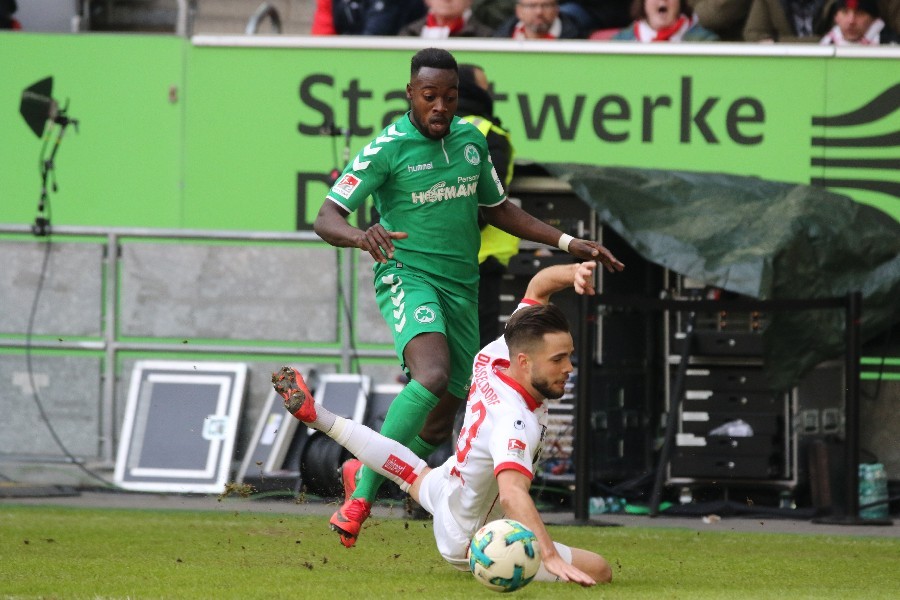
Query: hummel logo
pixel 397 300
pixel 370 150
pixel 423 167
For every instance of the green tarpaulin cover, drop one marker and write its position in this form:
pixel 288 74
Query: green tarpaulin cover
pixel 761 239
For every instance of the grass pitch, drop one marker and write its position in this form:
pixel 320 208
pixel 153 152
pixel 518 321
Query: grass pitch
pixel 51 552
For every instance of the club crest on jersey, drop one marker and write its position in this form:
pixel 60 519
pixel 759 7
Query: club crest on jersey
pixel 471 154
pixel 424 314
pixel 346 186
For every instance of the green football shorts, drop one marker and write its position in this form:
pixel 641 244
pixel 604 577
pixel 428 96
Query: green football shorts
pixel 411 304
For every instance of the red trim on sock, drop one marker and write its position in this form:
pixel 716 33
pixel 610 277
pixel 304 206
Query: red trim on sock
pixel 401 469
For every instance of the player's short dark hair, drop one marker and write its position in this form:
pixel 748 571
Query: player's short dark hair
pixel 435 58
pixel 528 325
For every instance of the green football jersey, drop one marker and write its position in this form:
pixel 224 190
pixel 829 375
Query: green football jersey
pixel 430 189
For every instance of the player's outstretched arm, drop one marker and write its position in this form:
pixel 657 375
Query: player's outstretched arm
pixel 518 505
pixel 547 282
pixel 512 219
pixel 331 225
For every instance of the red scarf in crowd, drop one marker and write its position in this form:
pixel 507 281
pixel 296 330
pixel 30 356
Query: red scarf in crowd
pixel 519 33
pixel 455 25
pixel 674 32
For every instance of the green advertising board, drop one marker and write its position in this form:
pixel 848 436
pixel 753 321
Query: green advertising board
pixel 122 164
pixel 242 132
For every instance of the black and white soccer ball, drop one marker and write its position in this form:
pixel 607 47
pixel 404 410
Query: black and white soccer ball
pixel 504 555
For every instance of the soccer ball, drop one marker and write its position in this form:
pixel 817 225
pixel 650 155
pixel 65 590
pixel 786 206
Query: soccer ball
pixel 504 555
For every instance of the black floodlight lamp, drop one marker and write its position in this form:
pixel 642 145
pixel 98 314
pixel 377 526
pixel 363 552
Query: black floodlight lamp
pixel 38 105
pixel 39 108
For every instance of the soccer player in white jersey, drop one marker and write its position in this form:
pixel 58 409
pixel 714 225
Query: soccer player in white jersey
pixel 500 439
pixel 429 175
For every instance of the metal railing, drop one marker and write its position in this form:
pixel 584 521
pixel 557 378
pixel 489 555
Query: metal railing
pixel 110 344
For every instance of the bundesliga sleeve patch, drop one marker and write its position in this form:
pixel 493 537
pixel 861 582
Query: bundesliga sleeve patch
pixel 346 186
pixel 516 448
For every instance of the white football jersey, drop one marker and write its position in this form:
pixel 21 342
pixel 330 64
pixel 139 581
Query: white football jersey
pixel 503 429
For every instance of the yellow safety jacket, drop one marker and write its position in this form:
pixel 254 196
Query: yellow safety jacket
pixel 496 242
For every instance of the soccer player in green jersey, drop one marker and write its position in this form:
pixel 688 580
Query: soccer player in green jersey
pixel 428 173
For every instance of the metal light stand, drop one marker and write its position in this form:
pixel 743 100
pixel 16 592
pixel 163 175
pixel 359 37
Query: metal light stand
pixel 41 225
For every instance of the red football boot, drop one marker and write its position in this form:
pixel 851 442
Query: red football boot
pixel 348 520
pixel 298 400
pixel 349 476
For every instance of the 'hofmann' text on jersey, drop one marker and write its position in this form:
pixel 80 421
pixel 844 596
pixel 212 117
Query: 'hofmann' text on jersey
pixel 431 190
pixel 441 191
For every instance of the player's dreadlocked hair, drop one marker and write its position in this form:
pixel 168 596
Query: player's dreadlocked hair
pixel 528 325
pixel 436 58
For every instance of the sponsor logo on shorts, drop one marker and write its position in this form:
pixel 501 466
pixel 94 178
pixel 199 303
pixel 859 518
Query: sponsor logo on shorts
pixel 424 314
pixel 471 154
pixel 346 186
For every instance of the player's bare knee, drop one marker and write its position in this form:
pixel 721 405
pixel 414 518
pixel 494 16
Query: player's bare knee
pixel 434 379
pixel 593 564
pixel 600 571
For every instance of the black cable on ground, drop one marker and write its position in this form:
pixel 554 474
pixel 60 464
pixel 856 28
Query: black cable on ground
pixel 28 361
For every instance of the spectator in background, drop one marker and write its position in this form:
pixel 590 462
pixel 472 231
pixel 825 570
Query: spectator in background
pixel 856 22
pixel 493 12
pixel 447 18
pixel 7 10
pixel 364 17
pixel 592 15
pixel 725 17
pixel 664 21
pixel 890 14
pixel 803 21
pixel 497 247
pixel 540 20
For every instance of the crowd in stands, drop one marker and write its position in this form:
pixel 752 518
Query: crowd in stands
pixel 838 22
pixel 7 10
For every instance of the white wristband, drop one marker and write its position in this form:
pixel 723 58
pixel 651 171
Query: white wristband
pixel 564 240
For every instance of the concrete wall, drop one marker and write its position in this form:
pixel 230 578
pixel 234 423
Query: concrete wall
pixel 177 300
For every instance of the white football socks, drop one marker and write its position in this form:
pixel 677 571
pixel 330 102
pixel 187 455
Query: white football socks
pixel 383 455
